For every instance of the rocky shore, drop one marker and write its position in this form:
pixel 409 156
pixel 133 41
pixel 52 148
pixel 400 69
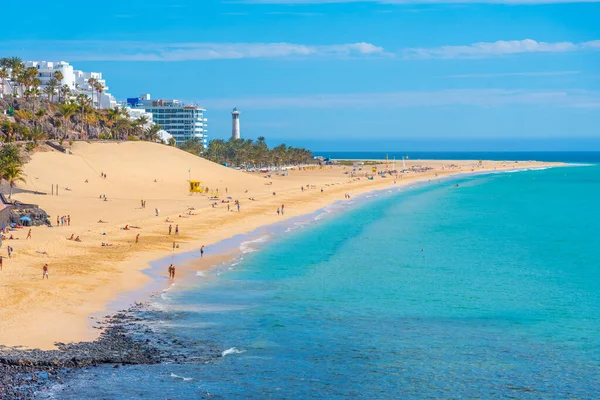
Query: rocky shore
pixel 126 339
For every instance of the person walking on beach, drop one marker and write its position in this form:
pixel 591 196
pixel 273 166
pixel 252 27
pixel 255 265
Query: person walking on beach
pixel 282 209
pixel 137 238
pixel 29 234
pixel 45 271
pixel 9 250
pixel 171 271
pixel 1 262
pixel 238 205
pixel 202 251
pixel 278 210
pixel 177 229
pixel 57 220
pixel 69 220
pixel 170 229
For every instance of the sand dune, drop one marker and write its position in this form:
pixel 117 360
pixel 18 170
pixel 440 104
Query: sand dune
pixel 85 276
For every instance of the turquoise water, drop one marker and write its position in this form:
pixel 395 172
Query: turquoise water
pixel 489 289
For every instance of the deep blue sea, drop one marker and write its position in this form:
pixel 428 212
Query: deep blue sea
pixel 489 289
pixel 561 156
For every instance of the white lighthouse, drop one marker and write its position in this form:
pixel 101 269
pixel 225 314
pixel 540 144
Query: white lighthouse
pixel 235 124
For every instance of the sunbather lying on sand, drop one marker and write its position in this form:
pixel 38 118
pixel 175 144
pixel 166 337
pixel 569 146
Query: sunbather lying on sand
pixel 77 239
pixel 102 222
pixel 42 252
pixel 106 244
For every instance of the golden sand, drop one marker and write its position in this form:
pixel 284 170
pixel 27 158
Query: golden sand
pixel 84 276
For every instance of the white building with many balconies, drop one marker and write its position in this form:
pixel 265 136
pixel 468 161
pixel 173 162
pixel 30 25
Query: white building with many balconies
pixel 183 122
pixel 77 81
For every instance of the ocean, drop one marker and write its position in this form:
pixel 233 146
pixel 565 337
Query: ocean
pixel 550 156
pixel 487 289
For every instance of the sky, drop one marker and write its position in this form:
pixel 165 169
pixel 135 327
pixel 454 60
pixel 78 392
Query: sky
pixel 343 74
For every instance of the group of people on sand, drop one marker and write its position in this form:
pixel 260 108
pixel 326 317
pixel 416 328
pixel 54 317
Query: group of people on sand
pixel 176 229
pixel 281 210
pixel 103 175
pixel 347 196
pixel 72 237
pixel 64 220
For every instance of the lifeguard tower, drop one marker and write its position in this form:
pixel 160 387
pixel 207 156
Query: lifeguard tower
pixel 195 187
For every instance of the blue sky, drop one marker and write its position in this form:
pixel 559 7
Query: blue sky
pixel 431 75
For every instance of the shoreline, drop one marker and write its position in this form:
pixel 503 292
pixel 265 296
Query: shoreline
pixel 229 249
pixel 125 272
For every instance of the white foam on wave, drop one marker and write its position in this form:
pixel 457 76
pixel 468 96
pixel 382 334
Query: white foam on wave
pixel 232 350
pixel 180 377
pixel 246 247
pixel 200 273
pixel 318 217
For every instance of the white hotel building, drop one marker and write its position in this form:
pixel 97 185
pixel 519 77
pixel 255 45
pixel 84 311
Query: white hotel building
pixel 183 122
pixel 76 80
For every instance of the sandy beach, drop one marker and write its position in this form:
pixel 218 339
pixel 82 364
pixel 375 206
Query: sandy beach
pixel 85 276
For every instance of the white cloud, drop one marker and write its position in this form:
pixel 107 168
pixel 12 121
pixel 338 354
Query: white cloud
pixel 438 98
pixel 507 74
pixel 147 51
pixel 90 50
pixel 499 48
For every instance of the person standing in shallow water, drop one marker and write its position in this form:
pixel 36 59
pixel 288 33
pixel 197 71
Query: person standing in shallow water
pixel 202 251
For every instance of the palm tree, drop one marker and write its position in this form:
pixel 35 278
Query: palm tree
pixel 15 64
pixel 12 173
pixel 49 91
pixel 35 93
pixel 8 129
pixel 58 76
pixel 141 121
pixel 92 82
pixel 37 134
pixel 66 111
pixel 151 134
pixel 3 76
pixel 65 91
pixel 99 89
